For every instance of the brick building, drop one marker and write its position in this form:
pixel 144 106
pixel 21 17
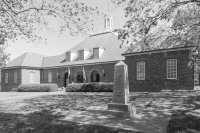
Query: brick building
pixel 160 70
pixel 92 60
pixel 161 67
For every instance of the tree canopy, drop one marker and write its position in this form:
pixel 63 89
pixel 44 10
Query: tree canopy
pixel 26 18
pixel 152 20
pixel 177 17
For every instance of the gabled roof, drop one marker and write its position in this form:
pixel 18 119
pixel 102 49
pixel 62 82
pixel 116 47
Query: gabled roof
pixel 27 60
pixel 108 40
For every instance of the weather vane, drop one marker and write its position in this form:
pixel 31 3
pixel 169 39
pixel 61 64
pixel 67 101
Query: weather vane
pixel 108 5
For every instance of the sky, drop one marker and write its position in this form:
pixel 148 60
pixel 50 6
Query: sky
pixel 57 45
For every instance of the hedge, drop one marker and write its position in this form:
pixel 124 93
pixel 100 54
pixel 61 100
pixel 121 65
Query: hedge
pixel 90 87
pixel 37 88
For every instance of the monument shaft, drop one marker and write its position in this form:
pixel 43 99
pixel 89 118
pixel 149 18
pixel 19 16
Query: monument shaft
pixel 121 105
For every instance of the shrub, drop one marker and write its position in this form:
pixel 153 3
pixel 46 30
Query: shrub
pixel 90 87
pixel 38 88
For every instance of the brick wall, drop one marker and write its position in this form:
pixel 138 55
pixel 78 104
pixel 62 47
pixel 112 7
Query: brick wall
pixel 8 86
pixel 155 72
pixel 23 77
pixel 106 73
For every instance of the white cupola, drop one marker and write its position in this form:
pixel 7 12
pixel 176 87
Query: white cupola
pixel 108 21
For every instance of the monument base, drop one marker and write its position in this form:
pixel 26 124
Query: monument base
pixel 121 110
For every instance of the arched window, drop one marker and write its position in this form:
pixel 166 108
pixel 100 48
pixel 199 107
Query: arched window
pixel 15 77
pixel 32 77
pixel 6 77
pixel 95 76
pixel 49 77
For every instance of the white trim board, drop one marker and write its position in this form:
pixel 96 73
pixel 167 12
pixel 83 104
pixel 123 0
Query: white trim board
pixel 87 64
pixel 157 51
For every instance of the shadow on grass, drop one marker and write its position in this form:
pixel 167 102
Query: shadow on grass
pixel 187 118
pixel 82 108
pixel 66 102
pixel 184 108
pixel 45 122
pixel 60 113
pixel 184 123
pixel 44 114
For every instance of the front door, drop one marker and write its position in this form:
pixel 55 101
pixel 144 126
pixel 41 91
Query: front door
pixel 79 77
pixel 66 80
pixel 95 76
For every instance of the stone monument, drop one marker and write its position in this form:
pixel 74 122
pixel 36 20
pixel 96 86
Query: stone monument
pixel 120 105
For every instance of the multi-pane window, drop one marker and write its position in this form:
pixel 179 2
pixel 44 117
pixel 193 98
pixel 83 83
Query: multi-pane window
pixel 15 77
pixel 68 56
pixel 81 54
pixel 172 69
pixel 49 77
pixel 32 77
pixel 6 77
pixel 141 70
pixel 96 53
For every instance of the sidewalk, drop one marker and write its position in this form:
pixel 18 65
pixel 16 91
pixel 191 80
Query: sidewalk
pixel 18 95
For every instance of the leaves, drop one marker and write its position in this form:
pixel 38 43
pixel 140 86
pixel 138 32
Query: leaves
pixel 26 19
pixel 147 18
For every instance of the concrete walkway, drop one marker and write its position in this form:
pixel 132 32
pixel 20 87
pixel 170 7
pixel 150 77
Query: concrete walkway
pixel 23 95
pixel 148 122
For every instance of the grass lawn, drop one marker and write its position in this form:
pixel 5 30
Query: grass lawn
pixel 186 119
pixel 37 115
pixel 43 114
pixel 44 122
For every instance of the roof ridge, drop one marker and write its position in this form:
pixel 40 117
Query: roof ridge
pixel 42 62
pixel 23 58
pixel 53 55
pixel 100 33
pixel 36 54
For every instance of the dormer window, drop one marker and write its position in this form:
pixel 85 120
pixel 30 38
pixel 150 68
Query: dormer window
pixel 97 52
pixel 83 53
pixel 70 55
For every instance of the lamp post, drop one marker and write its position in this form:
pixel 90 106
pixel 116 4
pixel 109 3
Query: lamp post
pixel 58 76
